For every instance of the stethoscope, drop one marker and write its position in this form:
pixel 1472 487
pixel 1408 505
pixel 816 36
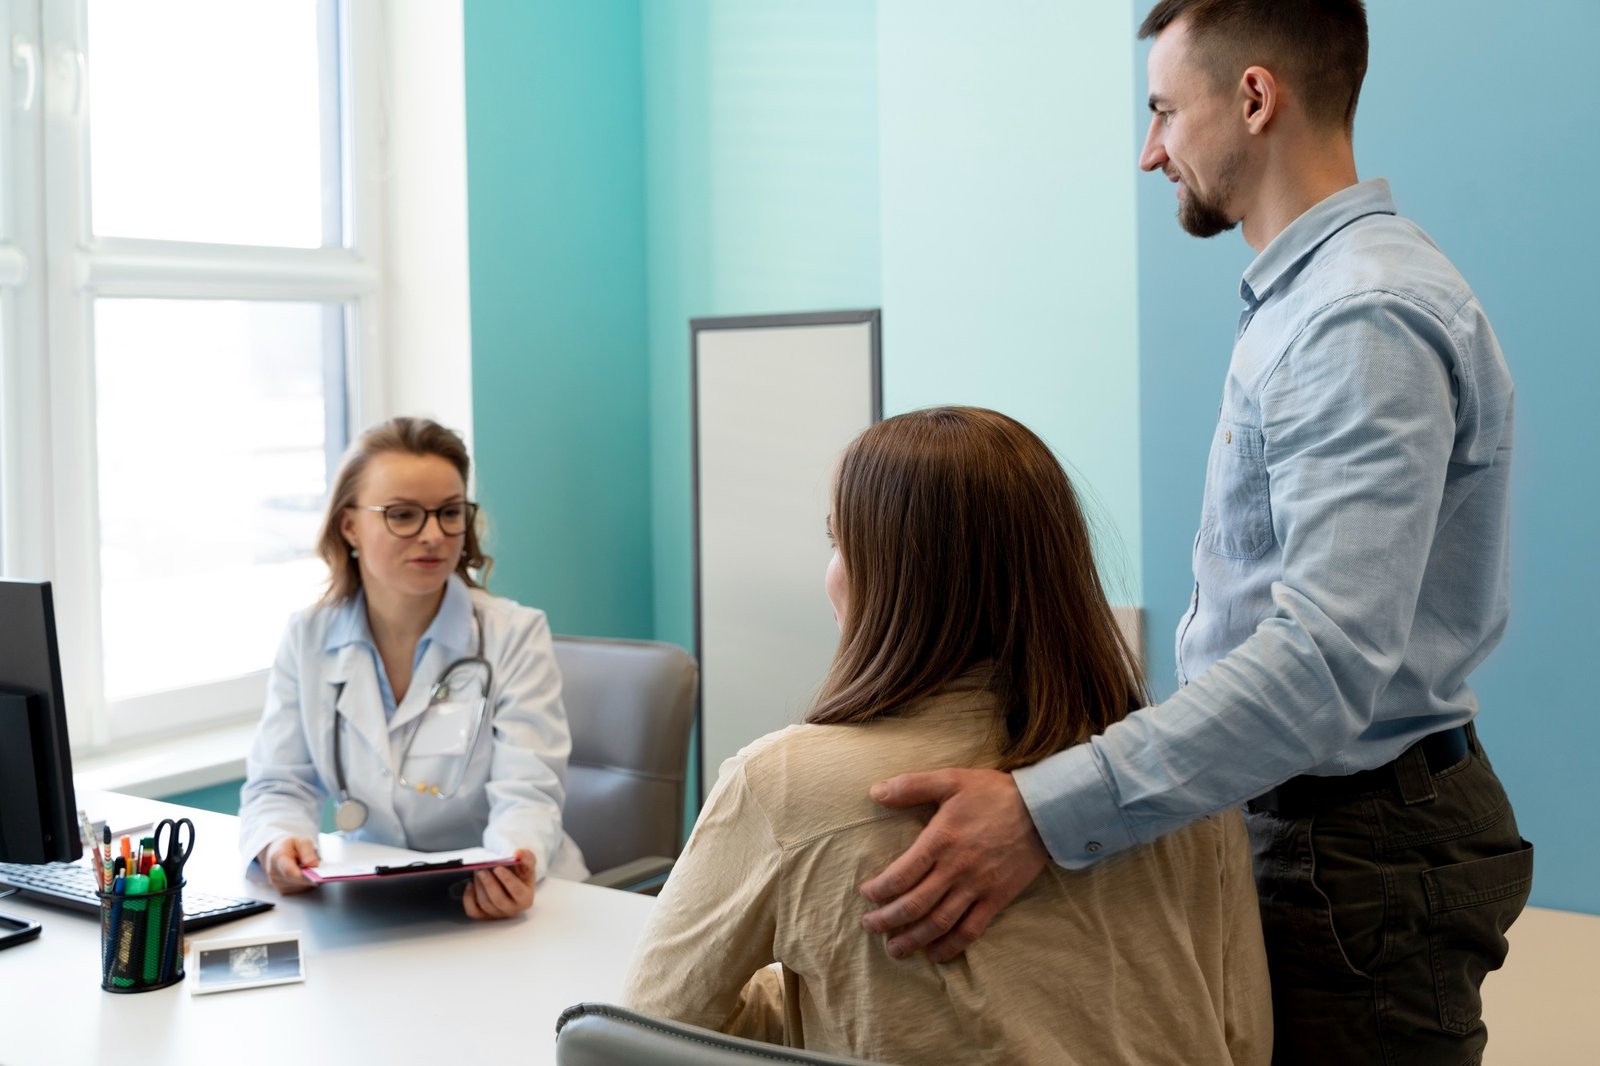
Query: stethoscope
pixel 350 813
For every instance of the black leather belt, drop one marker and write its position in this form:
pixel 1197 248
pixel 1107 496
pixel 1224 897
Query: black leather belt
pixel 1406 775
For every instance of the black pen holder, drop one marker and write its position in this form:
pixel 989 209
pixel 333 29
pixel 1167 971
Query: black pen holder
pixel 141 940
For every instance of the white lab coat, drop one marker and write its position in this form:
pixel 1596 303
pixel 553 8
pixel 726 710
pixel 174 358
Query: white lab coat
pixel 511 791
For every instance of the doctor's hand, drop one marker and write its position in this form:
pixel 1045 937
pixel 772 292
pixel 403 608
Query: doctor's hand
pixel 284 859
pixel 501 891
pixel 976 855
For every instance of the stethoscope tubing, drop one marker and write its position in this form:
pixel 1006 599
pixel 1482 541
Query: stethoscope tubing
pixel 442 685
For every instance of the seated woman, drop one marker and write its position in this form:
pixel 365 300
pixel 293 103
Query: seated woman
pixel 429 709
pixel 974 633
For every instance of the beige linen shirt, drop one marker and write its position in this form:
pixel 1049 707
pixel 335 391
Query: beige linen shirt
pixel 1153 956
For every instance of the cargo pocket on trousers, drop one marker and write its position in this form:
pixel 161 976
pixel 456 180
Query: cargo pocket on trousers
pixel 1470 907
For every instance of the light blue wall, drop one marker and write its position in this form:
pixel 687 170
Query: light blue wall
pixel 1008 234
pixel 762 171
pixel 1476 113
pixel 635 165
pixel 796 152
pixel 1486 134
pixel 561 401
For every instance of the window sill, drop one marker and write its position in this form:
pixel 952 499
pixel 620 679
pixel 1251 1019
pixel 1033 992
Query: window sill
pixel 169 766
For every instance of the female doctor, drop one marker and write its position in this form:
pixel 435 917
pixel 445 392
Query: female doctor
pixel 427 709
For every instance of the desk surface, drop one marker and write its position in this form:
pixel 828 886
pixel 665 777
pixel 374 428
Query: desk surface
pixel 410 980
pixel 417 982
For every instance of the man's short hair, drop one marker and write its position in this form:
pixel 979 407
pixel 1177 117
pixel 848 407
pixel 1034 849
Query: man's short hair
pixel 1320 45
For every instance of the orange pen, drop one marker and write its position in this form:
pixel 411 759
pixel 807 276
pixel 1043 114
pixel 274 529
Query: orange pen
pixel 127 855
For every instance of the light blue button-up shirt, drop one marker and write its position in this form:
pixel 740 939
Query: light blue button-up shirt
pixel 1351 564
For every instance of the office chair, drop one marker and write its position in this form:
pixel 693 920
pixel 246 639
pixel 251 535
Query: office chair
pixel 630 706
pixel 598 1034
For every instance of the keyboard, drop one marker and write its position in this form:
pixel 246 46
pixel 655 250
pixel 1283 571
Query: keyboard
pixel 71 884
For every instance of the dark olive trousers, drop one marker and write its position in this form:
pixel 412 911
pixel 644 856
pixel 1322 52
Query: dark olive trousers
pixel 1384 905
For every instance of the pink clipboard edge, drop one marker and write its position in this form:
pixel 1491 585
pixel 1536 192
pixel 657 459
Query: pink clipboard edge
pixel 315 878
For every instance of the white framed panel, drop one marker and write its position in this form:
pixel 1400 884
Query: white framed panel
pixel 776 400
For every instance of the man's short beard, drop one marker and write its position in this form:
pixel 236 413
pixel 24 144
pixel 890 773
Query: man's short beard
pixel 1206 217
pixel 1200 219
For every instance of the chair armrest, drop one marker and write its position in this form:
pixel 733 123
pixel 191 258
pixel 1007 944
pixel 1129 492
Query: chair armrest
pixel 645 875
pixel 599 1034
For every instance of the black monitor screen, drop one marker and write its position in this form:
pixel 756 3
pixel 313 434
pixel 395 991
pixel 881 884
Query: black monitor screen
pixel 38 813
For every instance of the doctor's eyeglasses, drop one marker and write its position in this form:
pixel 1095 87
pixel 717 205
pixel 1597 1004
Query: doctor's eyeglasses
pixel 407 519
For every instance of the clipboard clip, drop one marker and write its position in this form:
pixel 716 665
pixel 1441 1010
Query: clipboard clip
pixel 416 867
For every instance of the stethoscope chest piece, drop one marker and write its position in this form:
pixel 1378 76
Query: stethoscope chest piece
pixel 349 815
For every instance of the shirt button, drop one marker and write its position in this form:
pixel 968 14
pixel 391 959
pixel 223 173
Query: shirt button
pixel 1092 847
pixel 1227 436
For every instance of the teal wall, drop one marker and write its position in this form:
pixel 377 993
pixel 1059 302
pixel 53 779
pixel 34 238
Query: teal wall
pixel 761 166
pixel 1008 235
pixel 223 798
pixel 1470 110
pixel 561 400
pixel 841 155
pixel 971 171
pixel 720 157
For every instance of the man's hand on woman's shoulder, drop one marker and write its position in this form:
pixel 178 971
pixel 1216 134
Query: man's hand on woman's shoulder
pixel 976 855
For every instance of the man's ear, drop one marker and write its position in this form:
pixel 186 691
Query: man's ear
pixel 1259 98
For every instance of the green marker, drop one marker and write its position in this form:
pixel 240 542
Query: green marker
pixel 152 936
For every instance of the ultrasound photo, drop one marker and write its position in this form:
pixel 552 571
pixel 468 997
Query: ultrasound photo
pixel 233 964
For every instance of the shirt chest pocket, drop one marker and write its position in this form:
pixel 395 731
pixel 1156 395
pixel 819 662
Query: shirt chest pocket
pixel 1236 520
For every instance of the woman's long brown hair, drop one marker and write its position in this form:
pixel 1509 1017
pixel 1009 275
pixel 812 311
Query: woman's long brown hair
pixel 963 544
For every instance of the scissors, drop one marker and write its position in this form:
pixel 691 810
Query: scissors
pixel 173 846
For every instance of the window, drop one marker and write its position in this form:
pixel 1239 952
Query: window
pixel 188 227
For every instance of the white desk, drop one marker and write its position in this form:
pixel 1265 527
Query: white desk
pixel 410 981
pixel 419 982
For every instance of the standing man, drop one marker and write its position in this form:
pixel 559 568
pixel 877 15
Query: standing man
pixel 1350 572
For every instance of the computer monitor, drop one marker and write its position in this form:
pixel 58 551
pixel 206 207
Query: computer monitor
pixel 38 811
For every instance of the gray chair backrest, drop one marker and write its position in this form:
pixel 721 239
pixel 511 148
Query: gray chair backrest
pixel 598 1034
pixel 630 705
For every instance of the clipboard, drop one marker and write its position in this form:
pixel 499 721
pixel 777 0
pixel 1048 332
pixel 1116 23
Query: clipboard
pixel 405 864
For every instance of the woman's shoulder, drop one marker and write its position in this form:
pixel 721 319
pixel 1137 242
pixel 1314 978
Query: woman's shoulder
pixel 312 623
pixel 947 730
pixel 502 613
pixel 800 751
pixel 811 779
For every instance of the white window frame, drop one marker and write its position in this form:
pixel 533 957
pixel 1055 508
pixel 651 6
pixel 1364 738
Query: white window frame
pixel 50 275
